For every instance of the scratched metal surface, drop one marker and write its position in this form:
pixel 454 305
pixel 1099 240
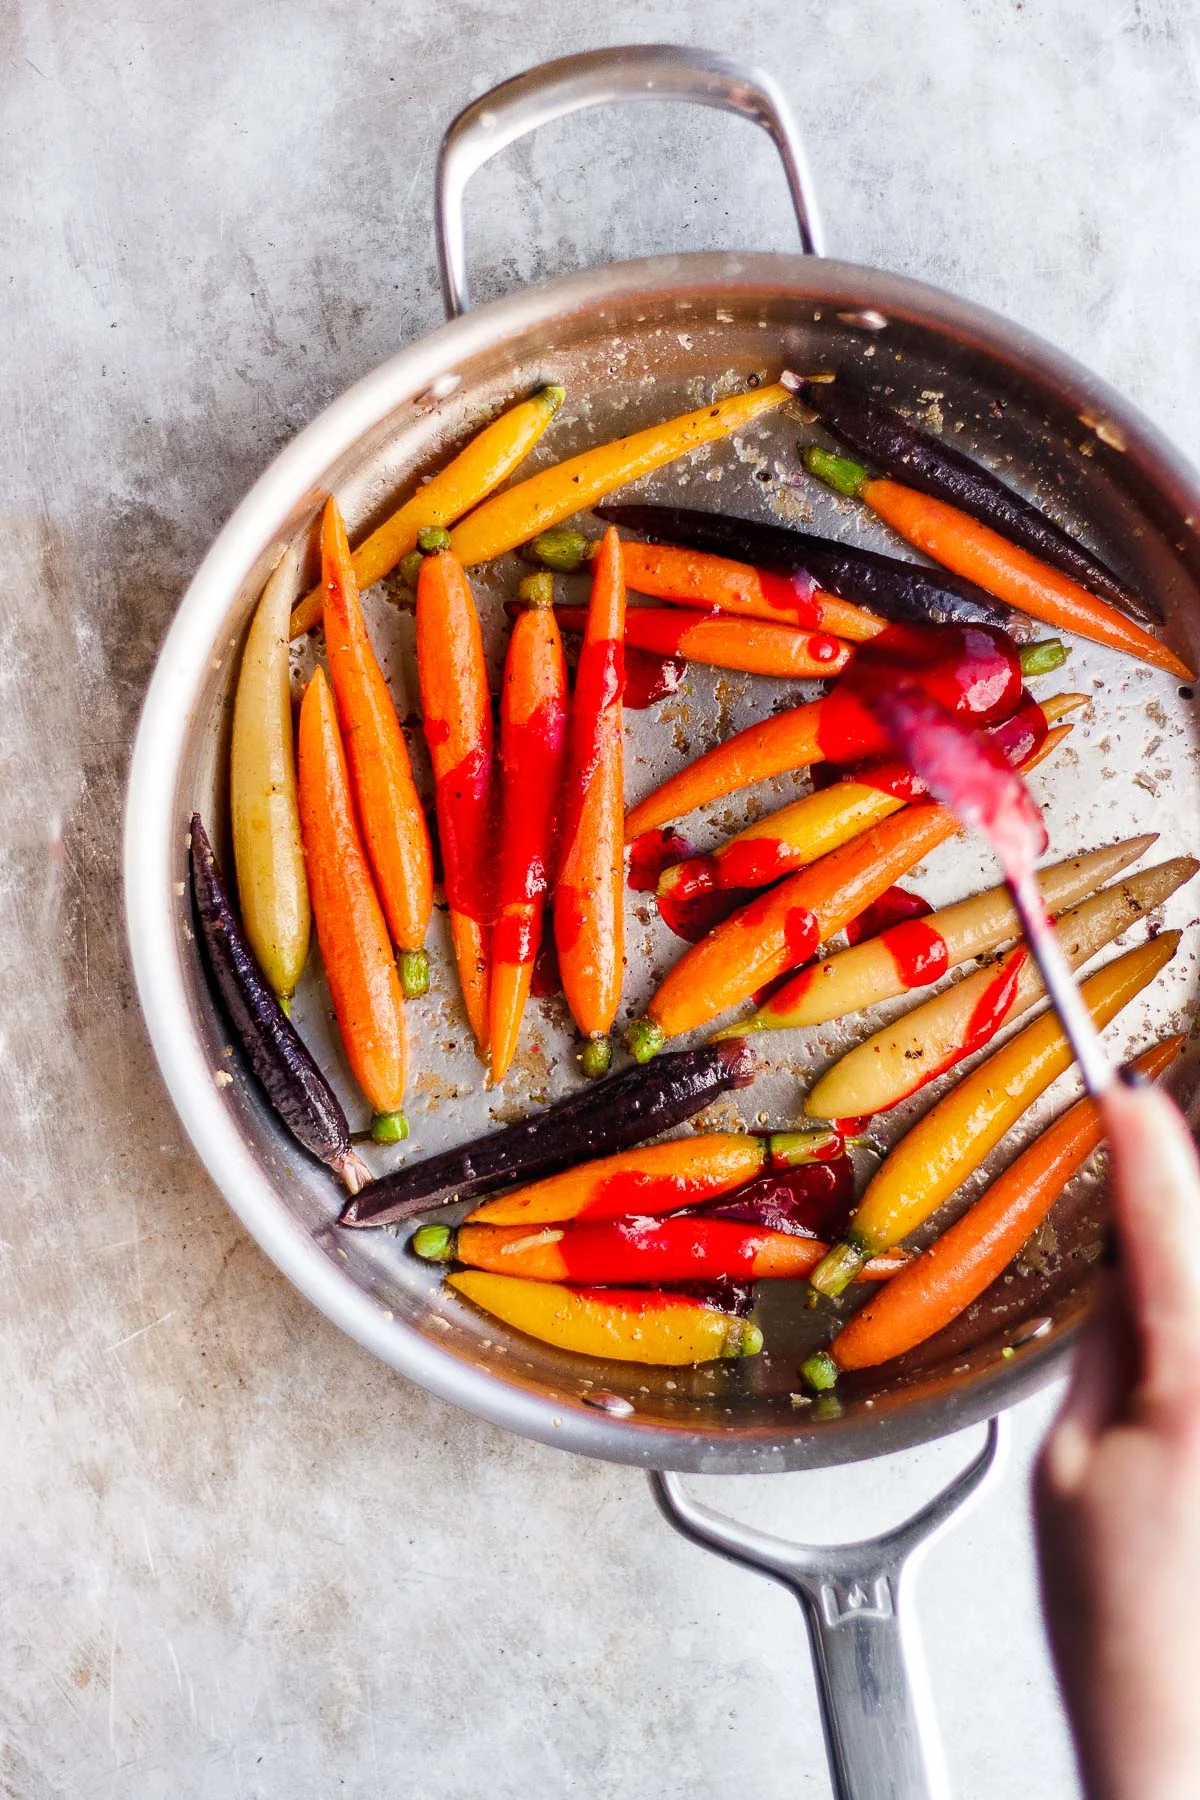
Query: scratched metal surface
pixel 239 1557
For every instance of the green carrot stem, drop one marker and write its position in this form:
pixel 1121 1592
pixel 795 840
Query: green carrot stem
pixel 434 1243
pixel 839 472
pixel 644 1038
pixel 819 1371
pixel 414 973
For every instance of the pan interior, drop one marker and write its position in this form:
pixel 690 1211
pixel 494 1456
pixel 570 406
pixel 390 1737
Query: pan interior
pixel 664 338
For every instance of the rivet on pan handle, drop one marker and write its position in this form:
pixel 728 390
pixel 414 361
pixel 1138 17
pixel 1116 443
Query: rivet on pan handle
pixel 605 78
pixel 876 1708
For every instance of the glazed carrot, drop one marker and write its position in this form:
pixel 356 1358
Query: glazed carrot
pixel 351 929
pixel 841 727
pixel 458 730
pixel 272 892
pixel 828 817
pixel 785 925
pixel 389 811
pixel 533 727
pixel 696 579
pixel 956 1134
pixel 727 643
pixel 621 1324
pixel 467 478
pixel 659 1178
pixel 636 1251
pixel 944 1280
pixel 972 549
pixel 552 495
pixel 589 895
pixel 917 952
pixel 915 1049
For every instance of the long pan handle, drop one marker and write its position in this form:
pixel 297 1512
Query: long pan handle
pixel 876 1706
pixel 606 78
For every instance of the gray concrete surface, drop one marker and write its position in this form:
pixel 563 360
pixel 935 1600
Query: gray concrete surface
pixel 238 1558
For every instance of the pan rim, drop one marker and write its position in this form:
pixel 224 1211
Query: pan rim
pixel 151 819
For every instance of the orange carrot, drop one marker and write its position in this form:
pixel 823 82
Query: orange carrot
pixel 359 964
pixel 389 811
pixel 942 1282
pixel 589 896
pixel 695 578
pixel 533 724
pixel 725 642
pixel 458 730
pixel 640 1251
pixel 974 550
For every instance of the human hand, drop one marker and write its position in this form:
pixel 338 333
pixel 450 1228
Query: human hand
pixel 1117 1493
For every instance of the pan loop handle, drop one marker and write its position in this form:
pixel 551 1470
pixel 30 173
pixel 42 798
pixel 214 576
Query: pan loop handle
pixel 605 78
pixel 876 1707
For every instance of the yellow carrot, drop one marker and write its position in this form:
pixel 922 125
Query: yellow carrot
pixel 546 498
pixel 954 1137
pixel 468 478
pixel 624 1324
pixel 272 890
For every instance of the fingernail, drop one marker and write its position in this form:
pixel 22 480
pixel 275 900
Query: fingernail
pixel 1133 1078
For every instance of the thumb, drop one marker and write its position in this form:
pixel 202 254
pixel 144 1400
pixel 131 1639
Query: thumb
pixel 1155 1187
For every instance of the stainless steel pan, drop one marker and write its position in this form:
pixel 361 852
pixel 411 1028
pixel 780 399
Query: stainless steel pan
pixel 634 342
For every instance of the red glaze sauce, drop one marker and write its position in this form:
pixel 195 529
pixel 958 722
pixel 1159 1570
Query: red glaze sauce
pixel 801 934
pixel 631 1193
pixel 654 852
pixel 989 1014
pixel 893 907
pixel 824 649
pixel 599 682
pixel 791 594
pixel 972 670
pixel 753 862
pixel 812 1201
pixel 517 935
pixel 649 678
pixel 692 914
pixel 570 915
pixel 918 951
pixel 464 815
pixel 644 1300
pixel 533 751
pixel 654 1250
pixel 547 978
